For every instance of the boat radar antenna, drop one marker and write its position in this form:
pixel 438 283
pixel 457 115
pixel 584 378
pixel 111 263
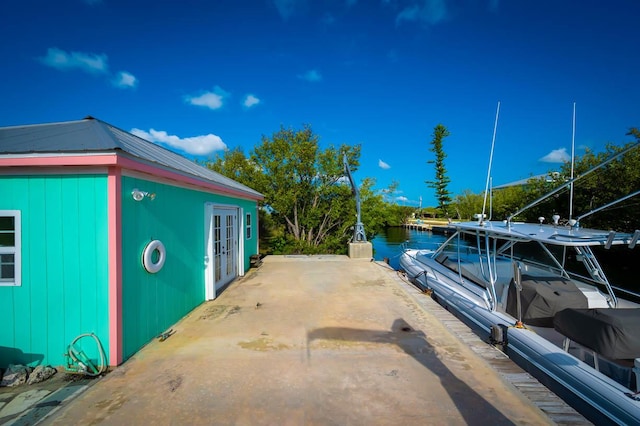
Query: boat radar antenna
pixel 493 143
pixel 358 233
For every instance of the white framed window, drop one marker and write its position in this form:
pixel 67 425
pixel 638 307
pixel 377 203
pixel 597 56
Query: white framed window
pixel 10 234
pixel 248 226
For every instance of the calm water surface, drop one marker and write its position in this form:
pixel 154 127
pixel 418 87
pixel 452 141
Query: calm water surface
pixel 389 243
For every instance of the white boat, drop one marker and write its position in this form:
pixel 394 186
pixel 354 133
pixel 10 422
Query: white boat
pixel 539 291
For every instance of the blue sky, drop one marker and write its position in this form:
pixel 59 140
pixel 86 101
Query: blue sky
pixel 199 76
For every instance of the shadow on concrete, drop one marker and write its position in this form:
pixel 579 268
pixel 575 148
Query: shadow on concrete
pixel 473 407
pixel 30 405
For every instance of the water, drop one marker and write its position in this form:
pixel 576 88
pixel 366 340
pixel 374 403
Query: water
pixel 389 243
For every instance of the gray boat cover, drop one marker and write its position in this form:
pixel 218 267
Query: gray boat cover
pixel 613 333
pixel 543 297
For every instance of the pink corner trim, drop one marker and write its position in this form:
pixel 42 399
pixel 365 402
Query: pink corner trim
pixel 115 266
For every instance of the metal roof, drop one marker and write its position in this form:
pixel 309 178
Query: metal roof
pixel 93 136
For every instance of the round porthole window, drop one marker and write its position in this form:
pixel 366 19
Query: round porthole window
pixel 153 256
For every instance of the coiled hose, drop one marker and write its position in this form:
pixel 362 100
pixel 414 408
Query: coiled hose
pixel 82 363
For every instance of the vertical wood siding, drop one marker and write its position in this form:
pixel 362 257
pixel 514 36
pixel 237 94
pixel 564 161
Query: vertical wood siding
pixel 64 268
pixel 64 291
pixel 152 303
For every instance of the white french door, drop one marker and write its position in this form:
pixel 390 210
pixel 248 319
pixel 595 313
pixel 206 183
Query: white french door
pixel 221 248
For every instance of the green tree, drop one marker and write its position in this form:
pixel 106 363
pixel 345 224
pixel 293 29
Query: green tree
pixel 378 214
pixel 617 179
pixel 302 189
pixel 233 164
pixel 467 204
pixel 441 179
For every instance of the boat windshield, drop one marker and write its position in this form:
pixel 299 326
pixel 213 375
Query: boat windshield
pixel 491 252
pixel 547 256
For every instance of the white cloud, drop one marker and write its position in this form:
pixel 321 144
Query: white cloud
pixel 402 199
pixel 196 145
pixel 211 100
pixel 426 11
pixel 125 80
pixel 556 156
pixel 250 101
pixel 89 62
pixel 383 165
pixel 311 75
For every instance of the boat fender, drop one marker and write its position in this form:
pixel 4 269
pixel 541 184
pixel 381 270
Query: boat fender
pixel 499 335
pixel 148 255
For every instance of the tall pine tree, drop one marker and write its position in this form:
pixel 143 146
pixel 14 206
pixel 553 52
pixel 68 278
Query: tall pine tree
pixel 441 179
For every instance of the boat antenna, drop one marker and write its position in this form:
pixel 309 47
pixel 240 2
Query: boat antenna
pixel 573 156
pixel 490 198
pixel 493 143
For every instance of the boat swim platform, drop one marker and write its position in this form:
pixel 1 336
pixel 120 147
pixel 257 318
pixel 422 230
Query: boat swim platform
pixel 306 340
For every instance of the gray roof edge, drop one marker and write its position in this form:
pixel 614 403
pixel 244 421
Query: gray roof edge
pixel 220 178
pixel 249 191
pixel 106 138
pixel 53 123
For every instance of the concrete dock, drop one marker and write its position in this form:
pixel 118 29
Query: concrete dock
pixel 303 340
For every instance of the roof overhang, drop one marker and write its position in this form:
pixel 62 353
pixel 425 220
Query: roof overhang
pixel 122 161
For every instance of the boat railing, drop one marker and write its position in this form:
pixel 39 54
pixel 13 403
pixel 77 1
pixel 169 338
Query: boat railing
pixel 433 246
pixel 627 294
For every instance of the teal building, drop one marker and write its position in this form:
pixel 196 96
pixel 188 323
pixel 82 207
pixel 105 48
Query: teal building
pixel 105 233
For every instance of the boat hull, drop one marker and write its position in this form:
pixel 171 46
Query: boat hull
pixel 596 396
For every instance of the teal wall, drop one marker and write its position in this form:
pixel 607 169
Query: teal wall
pixel 152 303
pixel 64 291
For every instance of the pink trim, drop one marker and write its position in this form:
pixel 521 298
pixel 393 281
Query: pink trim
pixel 117 160
pixel 61 160
pixel 114 185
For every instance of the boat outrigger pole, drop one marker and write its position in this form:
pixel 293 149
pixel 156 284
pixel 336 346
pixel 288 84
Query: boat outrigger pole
pixel 571 181
pixel 358 233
